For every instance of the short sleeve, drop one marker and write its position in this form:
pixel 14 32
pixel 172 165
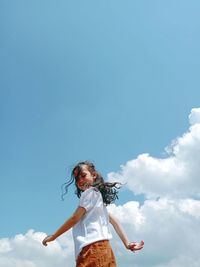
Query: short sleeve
pixel 88 198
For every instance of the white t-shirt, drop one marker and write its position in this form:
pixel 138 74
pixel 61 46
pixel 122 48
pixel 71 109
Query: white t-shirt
pixel 94 225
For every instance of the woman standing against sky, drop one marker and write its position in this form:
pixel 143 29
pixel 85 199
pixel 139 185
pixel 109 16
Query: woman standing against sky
pixel 90 221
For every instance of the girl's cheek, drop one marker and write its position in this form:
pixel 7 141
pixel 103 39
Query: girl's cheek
pixel 80 183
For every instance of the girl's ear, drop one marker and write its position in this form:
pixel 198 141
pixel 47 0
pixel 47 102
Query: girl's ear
pixel 94 174
pixel 75 172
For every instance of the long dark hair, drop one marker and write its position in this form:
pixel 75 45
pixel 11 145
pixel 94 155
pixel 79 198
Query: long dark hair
pixel 109 191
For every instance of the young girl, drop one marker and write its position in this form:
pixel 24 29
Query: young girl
pixel 90 221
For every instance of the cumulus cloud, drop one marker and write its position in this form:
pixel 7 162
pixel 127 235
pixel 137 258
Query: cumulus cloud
pixel 177 175
pixel 194 116
pixel 170 229
pixel 168 220
pixel 27 251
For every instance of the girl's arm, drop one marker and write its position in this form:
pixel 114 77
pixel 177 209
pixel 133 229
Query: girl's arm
pixel 121 233
pixel 66 226
pixel 119 230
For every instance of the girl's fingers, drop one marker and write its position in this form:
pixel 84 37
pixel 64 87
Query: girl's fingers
pixel 139 246
pixel 136 246
pixel 47 239
pixel 44 242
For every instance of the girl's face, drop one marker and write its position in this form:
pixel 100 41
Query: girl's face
pixel 85 178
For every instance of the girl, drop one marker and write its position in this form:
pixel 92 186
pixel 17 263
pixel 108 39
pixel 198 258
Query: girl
pixel 90 221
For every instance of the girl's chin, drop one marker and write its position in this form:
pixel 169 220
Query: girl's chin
pixel 85 187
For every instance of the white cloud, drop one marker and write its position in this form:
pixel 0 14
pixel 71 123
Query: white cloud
pixel 194 116
pixel 27 251
pixel 168 220
pixel 169 227
pixel 177 175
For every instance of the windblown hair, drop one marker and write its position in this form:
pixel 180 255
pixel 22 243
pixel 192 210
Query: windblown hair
pixel 109 191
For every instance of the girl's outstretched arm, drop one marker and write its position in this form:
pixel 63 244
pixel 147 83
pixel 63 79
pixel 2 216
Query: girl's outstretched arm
pixel 66 226
pixel 121 233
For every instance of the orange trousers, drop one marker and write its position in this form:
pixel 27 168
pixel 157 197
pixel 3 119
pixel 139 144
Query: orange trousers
pixel 98 254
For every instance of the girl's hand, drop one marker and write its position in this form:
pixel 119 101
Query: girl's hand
pixel 135 246
pixel 49 238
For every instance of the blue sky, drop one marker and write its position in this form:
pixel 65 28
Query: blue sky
pixel 97 80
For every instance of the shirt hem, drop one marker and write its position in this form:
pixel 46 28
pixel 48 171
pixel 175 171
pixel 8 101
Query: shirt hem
pixel 89 243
